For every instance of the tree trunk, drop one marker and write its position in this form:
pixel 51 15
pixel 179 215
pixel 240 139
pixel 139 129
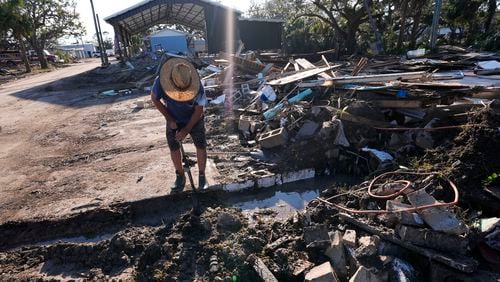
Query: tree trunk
pixel 24 55
pixel 492 7
pixel 416 24
pixel 350 40
pixel 402 23
pixel 41 57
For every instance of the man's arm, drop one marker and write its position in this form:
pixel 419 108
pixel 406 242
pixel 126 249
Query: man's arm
pixel 163 110
pixel 195 117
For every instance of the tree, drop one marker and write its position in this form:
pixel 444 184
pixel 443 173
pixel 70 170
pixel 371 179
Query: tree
pixel 48 21
pixel 11 21
pixel 345 17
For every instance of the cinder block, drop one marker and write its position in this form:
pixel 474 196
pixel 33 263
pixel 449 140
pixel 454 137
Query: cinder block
pixel 273 138
pixel 336 253
pixel 244 124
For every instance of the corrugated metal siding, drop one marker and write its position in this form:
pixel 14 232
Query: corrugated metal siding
pixel 171 44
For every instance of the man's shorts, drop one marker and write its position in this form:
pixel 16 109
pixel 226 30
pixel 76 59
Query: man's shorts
pixel 197 134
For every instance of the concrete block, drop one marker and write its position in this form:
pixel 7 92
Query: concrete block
pixel 273 138
pixel 244 124
pixel 238 186
pixel 308 129
pixel 349 238
pixel 405 218
pixel 368 246
pixel 364 274
pixel 433 239
pixel 438 219
pixel 265 178
pixel 336 254
pixel 322 273
pixel 316 236
pixel 293 176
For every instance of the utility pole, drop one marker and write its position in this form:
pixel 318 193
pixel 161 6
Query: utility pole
pixel 106 62
pixel 435 23
pixel 97 33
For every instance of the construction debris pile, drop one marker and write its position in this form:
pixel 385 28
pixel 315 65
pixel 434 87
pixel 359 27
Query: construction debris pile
pixel 423 131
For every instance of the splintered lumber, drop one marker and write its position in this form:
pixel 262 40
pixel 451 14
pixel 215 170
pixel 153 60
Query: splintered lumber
pixel 248 65
pixel 300 75
pixel 364 79
pixel 264 273
pixel 308 65
pixel 464 264
pixel 398 103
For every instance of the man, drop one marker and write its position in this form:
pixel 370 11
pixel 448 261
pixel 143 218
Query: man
pixel 178 94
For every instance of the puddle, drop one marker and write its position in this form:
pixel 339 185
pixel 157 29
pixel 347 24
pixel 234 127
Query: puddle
pixel 289 198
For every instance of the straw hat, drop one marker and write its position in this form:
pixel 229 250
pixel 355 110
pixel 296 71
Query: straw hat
pixel 179 79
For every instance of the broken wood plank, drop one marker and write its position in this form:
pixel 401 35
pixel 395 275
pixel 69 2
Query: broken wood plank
pixel 264 273
pixel 300 75
pixel 464 264
pixel 398 103
pixel 308 65
pixel 364 79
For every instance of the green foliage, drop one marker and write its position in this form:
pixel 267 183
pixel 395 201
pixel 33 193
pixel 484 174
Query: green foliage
pixel 490 179
pixel 49 20
pixel 63 56
pixel 403 24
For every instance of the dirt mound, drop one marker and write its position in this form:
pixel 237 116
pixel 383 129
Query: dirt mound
pixel 471 157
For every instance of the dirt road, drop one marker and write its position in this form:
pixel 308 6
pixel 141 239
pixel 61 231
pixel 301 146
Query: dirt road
pixel 66 149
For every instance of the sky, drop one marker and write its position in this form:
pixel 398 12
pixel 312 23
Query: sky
pixel 106 8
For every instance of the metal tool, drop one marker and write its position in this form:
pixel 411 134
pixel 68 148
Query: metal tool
pixel 187 163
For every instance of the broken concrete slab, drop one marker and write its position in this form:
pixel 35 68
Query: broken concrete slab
pixel 432 239
pixel 405 218
pixel 438 218
pixel 368 246
pixel 264 273
pixel 316 236
pixel 364 274
pixel 308 129
pixel 322 273
pixel 349 238
pixel 336 253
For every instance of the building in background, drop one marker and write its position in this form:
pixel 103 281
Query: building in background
pixel 174 41
pixel 79 51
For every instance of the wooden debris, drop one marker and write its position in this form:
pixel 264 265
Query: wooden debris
pixel 300 75
pixel 364 79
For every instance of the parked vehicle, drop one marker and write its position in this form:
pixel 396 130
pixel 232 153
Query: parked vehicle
pixel 10 58
pixel 50 57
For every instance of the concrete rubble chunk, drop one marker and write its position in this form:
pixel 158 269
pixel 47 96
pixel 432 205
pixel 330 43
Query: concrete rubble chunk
pixel 349 238
pixel 273 138
pixel 316 236
pixel 438 219
pixel 433 239
pixel 322 273
pixel 406 218
pixel 308 129
pixel 336 254
pixel 368 246
pixel 364 274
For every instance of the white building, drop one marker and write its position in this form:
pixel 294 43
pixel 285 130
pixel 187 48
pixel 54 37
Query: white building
pixel 80 51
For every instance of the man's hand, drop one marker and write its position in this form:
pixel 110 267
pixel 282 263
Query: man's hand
pixel 172 124
pixel 181 134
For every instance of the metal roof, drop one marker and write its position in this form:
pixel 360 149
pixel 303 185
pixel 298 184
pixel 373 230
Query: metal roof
pixel 146 14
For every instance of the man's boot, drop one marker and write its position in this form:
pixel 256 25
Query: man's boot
pixel 202 182
pixel 180 182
